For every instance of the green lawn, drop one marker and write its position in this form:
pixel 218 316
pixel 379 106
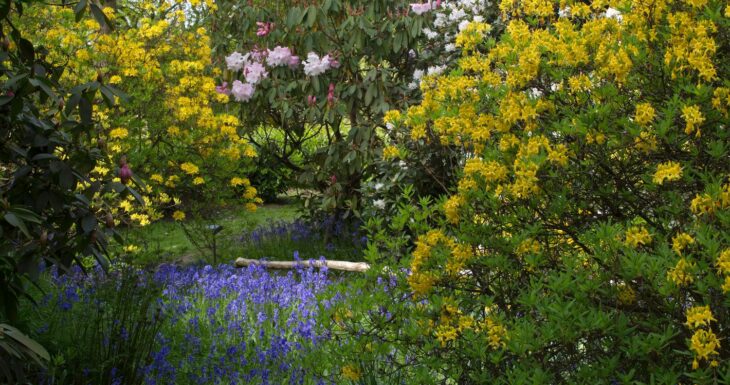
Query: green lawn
pixel 166 241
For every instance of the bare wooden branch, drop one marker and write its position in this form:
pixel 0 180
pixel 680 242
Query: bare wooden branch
pixel 334 265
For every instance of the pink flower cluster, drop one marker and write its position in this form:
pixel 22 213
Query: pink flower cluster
pixel 264 28
pixel 252 66
pixel 421 8
pixel 282 56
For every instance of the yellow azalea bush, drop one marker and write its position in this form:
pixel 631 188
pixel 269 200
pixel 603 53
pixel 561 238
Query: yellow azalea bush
pixel 171 130
pixel 586 240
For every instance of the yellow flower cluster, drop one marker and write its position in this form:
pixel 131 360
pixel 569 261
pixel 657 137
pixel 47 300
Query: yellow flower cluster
pixel 189 168
pixel 636 236
pixel 390 152
pixel 693 118
pixel 472 35
pixel 723 268
pixel 681 273
pixel 668 171
pixel 704 342
pixel 681 241
pixel 644 114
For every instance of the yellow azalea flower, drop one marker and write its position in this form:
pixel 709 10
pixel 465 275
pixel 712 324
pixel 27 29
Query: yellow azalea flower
pixel 189 168
pixel 390 152
pixel 704 343
pixel 668 171
pixel 699 316
pixel 693 118
pixel 392 117
pixel 178 215
pixel 198 181
pixel 636 236
pixel 723 262
pixel 452 208
pixel 644 114
pixel 142 219
pixel 157 178
pixel 173 130
pixel 251 207
pixel 249 193
pixel 680 241
pixel 236 181
pixel 118 133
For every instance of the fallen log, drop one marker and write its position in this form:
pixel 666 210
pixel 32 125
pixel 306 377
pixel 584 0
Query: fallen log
pixel 333 265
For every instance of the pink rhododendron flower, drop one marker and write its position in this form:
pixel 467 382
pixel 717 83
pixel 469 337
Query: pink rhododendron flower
pixel 264 28
pixel 279 56
pixel 420 8
pixel 223 89
pixel 311 100
pixel 255 72
pixel 258 54
pixel 125 173
pixel 241 91
pixel 333 63
pixel 236 61
pixel 331 95
pixel 314 66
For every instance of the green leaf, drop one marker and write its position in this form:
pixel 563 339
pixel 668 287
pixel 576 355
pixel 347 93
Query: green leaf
pixel 295 17
pixel 14 221
pixel 85 111
pixel 100 17
pixel 136 195
pixel 43 156
pixel 25 341
pixel 108 96
pixel 72 102
pixel 80 9
pixel 26 214
pixel 88 223
pixel 42 84
pixel 27 52
pixel 311 16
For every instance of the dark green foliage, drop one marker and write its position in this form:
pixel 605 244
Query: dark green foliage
pixel 47 150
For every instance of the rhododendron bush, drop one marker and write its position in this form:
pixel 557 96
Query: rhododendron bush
pixel 320 69
pixel 587 238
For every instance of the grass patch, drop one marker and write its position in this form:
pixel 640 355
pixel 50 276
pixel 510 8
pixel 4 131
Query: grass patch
pixel 166 241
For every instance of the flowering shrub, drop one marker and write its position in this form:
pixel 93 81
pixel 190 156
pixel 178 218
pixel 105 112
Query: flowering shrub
pixel 586 238
pixel 309 71
pixel 170 133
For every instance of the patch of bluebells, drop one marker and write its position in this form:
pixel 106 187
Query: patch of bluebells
pixel 331 235
pixel 221 325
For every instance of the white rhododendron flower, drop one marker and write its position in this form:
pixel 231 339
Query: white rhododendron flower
pixel 314 66
pixel 236 61
pixel 242 92
pixel 279 56
pixel 254 72
pixel 420 8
